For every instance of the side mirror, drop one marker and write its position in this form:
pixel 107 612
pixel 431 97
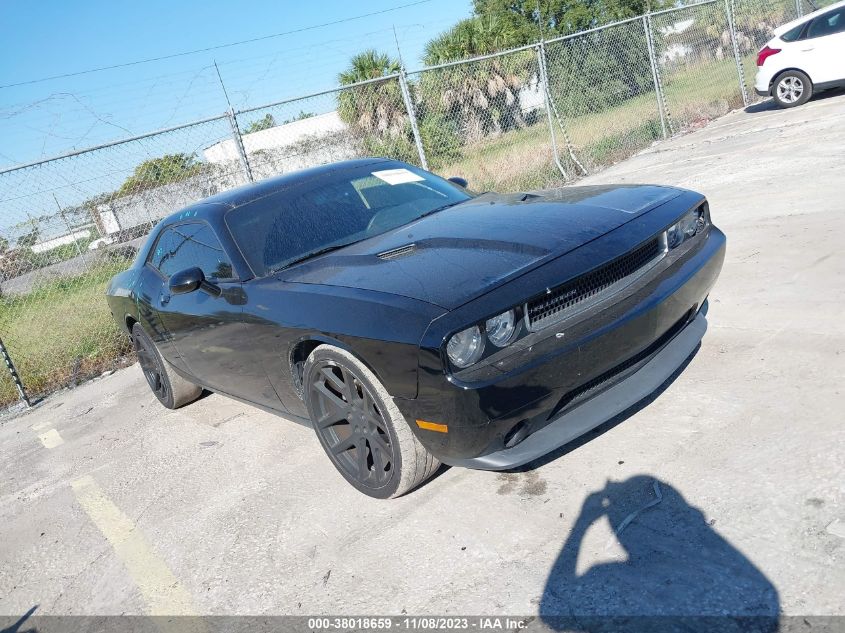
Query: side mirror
pixel 461 182
pixel 191 279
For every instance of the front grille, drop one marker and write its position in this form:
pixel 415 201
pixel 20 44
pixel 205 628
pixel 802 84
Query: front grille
pixel 578 293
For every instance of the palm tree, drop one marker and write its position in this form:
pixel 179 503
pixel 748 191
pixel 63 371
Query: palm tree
pixel 481 97
pixel 376 108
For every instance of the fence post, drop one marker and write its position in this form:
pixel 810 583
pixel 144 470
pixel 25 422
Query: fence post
pixel 737 56
pixel 239 145
pixel 552 109
pixel 799 8
pixel 541 65
pixel 14 373
pixel 655 75
pixel 70 231
pixel 412 115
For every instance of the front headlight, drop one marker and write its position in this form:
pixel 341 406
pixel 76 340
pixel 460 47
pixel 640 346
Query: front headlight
pixel 687 227
pixel 500 329
pixel 466 347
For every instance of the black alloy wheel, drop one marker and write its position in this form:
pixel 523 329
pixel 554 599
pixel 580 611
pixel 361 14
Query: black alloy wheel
pixel 351 426
pixel 151 366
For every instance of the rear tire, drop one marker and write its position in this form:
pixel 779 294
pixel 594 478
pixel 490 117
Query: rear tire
pixel 792 89
pixel 170 388
pixel 361 429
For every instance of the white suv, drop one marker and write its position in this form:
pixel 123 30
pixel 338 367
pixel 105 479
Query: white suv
pixel 805 56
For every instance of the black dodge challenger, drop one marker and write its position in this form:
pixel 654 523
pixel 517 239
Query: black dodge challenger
pixel 414 322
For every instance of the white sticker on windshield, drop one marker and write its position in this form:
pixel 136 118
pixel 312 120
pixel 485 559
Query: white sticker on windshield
pixel 397 176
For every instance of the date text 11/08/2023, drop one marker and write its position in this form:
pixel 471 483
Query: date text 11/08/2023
pixel 424 623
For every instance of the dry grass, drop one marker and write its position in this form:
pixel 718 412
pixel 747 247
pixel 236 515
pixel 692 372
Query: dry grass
pixel 515 161
pixel 60 333
pixel 522 159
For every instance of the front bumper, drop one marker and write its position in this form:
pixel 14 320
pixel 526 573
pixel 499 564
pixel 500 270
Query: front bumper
pixel 599 409
pixel 607 362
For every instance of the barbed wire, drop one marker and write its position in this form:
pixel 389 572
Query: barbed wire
pixel 207 49
pixel 66 119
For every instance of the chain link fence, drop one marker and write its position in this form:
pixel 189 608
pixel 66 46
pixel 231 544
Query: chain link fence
pixel 604 93
pixel 69 224
pixel 529 118
pixel 808 6
pixel 364 119
pixel 486 120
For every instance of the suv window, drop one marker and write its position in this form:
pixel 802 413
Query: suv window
pixel 186 245
pixel 827 24
pixel 793 34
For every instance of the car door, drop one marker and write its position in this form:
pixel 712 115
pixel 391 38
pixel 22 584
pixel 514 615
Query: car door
pixel 206 330
pixel 149 293
pixel 822 47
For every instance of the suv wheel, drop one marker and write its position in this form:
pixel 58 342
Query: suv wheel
pixel 792 88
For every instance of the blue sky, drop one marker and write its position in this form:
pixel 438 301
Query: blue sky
pixel 52 37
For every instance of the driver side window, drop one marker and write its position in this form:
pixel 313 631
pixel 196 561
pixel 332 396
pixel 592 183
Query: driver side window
pixel 185 245
pixel 827 24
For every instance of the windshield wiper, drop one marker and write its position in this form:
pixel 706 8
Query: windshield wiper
pixel 443 208
pixel 319 251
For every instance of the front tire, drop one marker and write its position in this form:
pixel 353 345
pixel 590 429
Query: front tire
pixel 360 427
pixel 792 89
pixel 170 388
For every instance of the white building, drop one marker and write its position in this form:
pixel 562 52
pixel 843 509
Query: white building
pixel 676 50
pixel 61 240
pixel 278 137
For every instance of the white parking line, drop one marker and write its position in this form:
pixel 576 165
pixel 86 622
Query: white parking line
pixel 51 438
pixel 163 593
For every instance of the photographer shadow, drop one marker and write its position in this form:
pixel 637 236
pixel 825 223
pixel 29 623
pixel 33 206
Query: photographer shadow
pixel 671 570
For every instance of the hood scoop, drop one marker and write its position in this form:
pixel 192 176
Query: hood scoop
pixel 396 253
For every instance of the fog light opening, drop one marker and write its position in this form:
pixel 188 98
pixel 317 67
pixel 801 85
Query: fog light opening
pixel 518 433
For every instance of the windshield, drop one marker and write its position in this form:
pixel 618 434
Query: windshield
pixel 334 209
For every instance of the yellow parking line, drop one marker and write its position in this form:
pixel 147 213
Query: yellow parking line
pixel 51 438
pixel 163 593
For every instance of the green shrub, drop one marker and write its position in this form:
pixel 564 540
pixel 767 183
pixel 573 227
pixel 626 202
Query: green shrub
pixel 440 140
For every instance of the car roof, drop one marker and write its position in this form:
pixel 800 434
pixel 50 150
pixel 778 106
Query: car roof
pixel 213 208
pixel 805 18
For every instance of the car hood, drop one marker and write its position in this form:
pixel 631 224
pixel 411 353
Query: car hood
pixel 455 255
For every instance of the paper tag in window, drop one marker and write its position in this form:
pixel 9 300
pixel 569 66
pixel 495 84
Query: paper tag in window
pixel 397 176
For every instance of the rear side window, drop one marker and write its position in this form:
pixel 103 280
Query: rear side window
pixel 827 24
pixel 187 245
pixel 793 35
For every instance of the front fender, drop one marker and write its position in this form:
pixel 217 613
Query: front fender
pixel 382 330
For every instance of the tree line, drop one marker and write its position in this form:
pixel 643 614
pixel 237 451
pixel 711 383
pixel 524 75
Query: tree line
pixel 458 105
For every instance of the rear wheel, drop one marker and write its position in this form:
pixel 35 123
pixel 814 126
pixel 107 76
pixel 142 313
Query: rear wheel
pixel 792 88
pixel 170 388
pixel 360 427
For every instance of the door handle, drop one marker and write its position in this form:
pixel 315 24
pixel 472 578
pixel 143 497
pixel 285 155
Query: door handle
pixel 807 50
pixel 164 299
